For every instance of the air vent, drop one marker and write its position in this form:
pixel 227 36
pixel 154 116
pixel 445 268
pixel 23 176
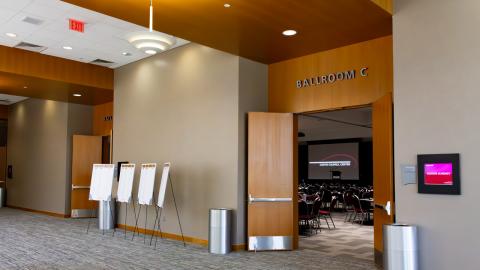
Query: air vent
pixel 31 20
pixel 102 62
pixel 30 47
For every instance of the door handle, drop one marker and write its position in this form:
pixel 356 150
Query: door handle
pixel 387 207
pixel 80 187
pixel 251 199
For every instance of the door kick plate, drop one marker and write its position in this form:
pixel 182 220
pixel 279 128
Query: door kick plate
pixel 263 243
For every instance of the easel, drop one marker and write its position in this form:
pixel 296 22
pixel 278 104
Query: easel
pixel 147 183
pixel 104 197
pixel 137 217
pixel 158 217
pixel 111 216
pixel 126 215
pixel 126 174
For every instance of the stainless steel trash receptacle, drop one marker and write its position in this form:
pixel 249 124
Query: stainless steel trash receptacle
pixel 219 236
pixel 400 247
pixel 2 197
pixel 106 215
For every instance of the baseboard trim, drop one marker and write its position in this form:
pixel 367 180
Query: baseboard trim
pixel 239 247
pixel 172 236
pixel 177 237
pixel 189 239
pixel 52 214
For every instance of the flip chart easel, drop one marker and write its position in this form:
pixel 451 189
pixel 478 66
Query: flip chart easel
pixel 161 202
pixel 124 192
pixel 145 193
pixel 101 186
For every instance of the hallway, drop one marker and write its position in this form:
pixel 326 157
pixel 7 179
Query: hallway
pixel 32 241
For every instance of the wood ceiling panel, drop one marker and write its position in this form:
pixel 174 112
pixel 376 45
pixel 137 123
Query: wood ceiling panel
pixel 253 28
pixel 49 77
pixel 22 62
pixel 13 84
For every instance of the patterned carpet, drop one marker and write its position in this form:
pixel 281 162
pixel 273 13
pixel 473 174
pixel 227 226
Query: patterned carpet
pixel 350 240
pixel 32 241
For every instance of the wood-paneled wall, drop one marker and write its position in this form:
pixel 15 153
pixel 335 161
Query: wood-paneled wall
pixel 376 55
pixel 38 65
pixel 3 112
pixel 382 137
pixel 321 24
pixel 103 119
pixel 385 4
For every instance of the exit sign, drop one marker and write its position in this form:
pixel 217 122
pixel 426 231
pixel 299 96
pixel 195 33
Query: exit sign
pixel 75 25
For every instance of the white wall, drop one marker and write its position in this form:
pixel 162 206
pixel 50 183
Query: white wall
pixel 38 146
pixel 436 96
pixel 183 106
pixel 253 85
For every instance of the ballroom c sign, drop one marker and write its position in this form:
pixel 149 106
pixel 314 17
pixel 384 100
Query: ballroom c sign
pixel 332 78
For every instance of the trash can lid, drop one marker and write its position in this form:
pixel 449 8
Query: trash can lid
pixel 400 225
pixel 227 209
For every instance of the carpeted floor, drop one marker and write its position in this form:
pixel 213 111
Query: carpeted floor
pixel 32 241
pixel 347 239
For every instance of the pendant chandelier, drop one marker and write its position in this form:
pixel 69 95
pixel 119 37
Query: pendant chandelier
pixel 149 41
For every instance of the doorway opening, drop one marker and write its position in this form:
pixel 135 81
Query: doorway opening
pixel 335 183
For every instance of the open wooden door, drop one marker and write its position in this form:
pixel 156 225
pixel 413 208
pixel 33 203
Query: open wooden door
pixel 87 150
pixel 272 181
pixel 382 137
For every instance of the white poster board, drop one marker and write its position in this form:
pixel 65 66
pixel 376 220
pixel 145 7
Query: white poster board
pixel 125 184
pixel 147 181
pixel 163 184
pixel 102 182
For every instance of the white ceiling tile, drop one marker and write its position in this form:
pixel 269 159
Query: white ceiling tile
pixel 39 39
pixel 11 99
pixel 6 14
pixel 56 4
pixel 6 41
pixel 14 4
pixel 59 52
pixel 84 15
pixel 17 26
pixel 104 30
pixel 104 36
pixel 40 9
pixel 57 30
pixel 130 27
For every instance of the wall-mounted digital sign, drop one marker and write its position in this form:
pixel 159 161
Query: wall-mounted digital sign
pixel 439 174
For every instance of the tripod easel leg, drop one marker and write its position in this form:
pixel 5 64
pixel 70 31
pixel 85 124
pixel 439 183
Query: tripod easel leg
pixel 136 222
pixel 154 224
pixel 88 225
pixel 126 214
pixel 134 213
pixel 111 216
pixel 176 209
pixel 159 227
pixel 145 230
pixel 103 217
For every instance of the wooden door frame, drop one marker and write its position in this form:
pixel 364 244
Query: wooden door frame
pixel 296 160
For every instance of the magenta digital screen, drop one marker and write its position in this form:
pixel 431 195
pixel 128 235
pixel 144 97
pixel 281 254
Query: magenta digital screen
pixel 438 174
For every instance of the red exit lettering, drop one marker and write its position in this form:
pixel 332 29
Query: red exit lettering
pixel 75 25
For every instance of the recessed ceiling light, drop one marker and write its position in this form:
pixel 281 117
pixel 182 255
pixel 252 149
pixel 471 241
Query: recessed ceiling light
pixel 77 95
pixel 152 52
pixel 227 5
pixel 289 33
pixel 67 48
pixel 11 35
pixel 126 54
pixel 25 87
